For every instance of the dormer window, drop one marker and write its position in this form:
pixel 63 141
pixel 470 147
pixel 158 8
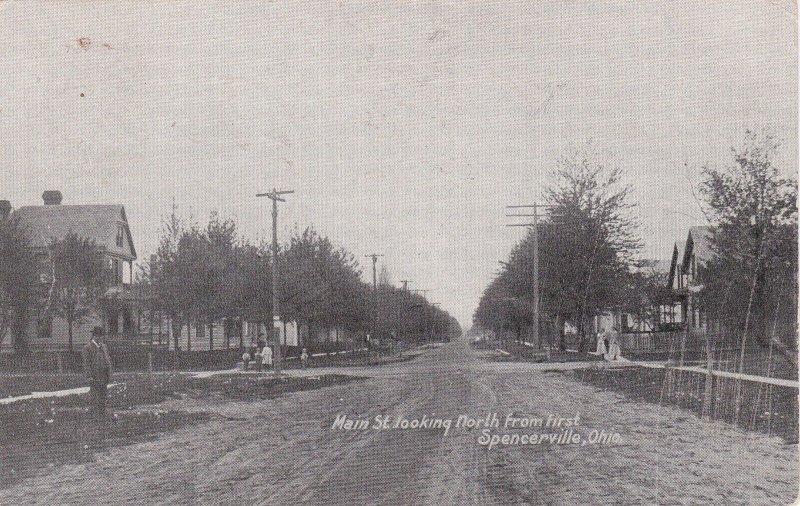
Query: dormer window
pixel 120 236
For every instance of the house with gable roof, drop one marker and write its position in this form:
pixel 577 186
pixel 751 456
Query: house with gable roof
pixel 107 226
pixel 686 276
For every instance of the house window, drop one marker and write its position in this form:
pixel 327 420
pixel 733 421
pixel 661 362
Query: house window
pixel 116 271
pixel 127 273
pixel 120 236
pixel 201 330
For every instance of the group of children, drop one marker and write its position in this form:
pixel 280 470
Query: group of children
pixel 262 357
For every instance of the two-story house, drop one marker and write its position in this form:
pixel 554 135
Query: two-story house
pixel 107 226
pixel 686 276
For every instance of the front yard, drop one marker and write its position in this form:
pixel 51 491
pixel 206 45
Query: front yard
pixel 37 434
pixel 765 408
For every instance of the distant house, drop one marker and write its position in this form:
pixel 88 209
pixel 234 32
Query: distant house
pixel 198 336
pixel 660 316
pixel 107 226
pixel 678 305
pixel 686 276
pixel 671 315
pixel 233 332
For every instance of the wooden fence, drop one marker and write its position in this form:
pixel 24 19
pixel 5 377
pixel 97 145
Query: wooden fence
pixel 675 341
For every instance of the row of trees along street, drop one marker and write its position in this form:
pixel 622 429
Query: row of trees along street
pixel 590 252
pixel 208 274
pixel 204 275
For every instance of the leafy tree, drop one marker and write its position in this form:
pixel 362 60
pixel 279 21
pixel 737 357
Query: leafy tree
pixel 219 296
pixel 501 311
pixel 321 283
pixel 79 280
pixel 18 281
pixel 750 284
pixel 405 316
pixel 202 275
pixel 211 273
pixel 144 291
pixel 250 283
pixel 644 293
pixel 593 249
pixel 168 275
pixel 196 277
pixel 587 254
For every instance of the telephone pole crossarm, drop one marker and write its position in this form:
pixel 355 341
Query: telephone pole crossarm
pixel 535 237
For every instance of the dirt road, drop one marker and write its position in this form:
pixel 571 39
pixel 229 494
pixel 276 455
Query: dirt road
pixel 285 451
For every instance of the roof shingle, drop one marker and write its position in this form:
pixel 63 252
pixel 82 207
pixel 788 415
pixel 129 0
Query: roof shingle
pixel 96 222
pixel 701 239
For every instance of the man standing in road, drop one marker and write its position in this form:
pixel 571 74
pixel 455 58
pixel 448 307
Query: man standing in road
pixel 97 368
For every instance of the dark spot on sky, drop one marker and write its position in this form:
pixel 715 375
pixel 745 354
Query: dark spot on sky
pixel 436 34
pixel 82 95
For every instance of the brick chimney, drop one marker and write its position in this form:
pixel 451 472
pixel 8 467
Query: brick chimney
pixel 5 209
pixel 52 197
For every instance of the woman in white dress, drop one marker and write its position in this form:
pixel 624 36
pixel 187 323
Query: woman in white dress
pixel 614 352
pixel 601 343
pixel 266 357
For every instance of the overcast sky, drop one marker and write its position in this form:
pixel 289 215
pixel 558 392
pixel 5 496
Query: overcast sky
pixel 404 128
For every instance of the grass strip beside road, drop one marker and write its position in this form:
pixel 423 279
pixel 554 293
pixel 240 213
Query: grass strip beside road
pixel 764 408
pixel 15 385
pixel 38 434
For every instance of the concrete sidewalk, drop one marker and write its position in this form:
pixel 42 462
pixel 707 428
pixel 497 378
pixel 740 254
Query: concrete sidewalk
pixel 357 370
pixel 623 362
pixel 54 393
pixel 724 374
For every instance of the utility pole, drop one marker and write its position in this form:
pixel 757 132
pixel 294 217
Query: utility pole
pixel 275 196
pixel 535 224
pixel 405 284
pixel 374 257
